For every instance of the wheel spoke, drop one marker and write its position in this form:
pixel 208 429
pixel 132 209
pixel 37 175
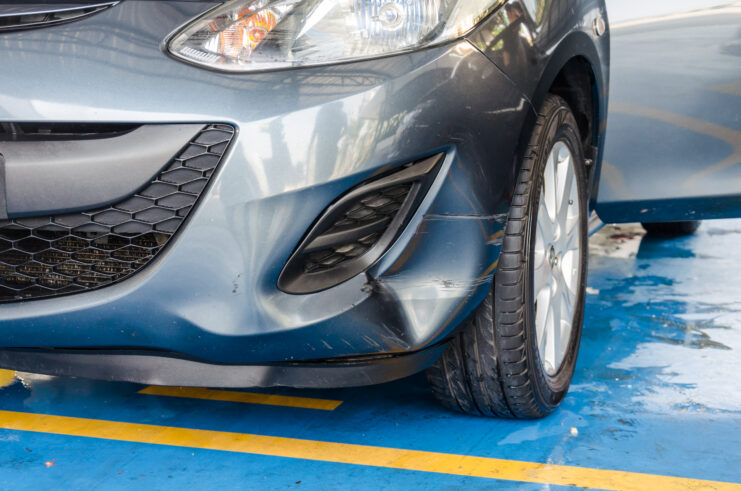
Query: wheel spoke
pixel 547 333
pixel 558 191
pixel 545 225
pixel 571 239
pixel 568 299
pixel 567 314
pixel 553 346
pixel 565 199
pixel 563 150
pixel 570 269
pixel 542 309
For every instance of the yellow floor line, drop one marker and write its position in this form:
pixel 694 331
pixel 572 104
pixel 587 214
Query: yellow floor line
pixel 246 397
pixel 416 460
pixel 7 377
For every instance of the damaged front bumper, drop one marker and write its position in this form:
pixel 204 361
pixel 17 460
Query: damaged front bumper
pixel 303 138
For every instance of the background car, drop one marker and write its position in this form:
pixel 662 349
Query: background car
pixel 672 152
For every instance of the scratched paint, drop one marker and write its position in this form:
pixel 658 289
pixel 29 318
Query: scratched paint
pixel 656 391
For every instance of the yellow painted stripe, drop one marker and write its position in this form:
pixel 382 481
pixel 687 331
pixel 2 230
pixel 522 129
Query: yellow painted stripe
pixel 491 268
pixel 7 377
pixel 462 465
pixel 246 397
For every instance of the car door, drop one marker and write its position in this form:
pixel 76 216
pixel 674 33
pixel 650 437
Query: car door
pixel 673 145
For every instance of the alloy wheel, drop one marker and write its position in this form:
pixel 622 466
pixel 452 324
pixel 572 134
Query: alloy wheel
pixel 556 258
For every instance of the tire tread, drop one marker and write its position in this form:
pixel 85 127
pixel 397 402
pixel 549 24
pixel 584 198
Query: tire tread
pixel 486 369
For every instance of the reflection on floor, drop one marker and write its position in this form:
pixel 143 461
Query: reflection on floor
pixel 657 391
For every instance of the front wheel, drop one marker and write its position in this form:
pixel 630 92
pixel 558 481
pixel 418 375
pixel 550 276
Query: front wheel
pixel 515 356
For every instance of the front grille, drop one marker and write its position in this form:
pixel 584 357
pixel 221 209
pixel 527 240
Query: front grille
pixel 42 15
pixel 60 254
pixel 371 216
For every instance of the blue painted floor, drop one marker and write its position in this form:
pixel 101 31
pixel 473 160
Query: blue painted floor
pixel 657 390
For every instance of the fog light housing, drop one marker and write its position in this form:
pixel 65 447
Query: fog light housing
pixel 355 231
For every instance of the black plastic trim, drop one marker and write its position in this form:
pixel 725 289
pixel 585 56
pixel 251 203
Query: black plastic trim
pixel 293 279
pixel 158 368
pixel 53 131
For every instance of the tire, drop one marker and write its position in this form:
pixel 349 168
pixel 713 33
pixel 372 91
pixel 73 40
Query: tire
pixel 493 366
pixel 671 229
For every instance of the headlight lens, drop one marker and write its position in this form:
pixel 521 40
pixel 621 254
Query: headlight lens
pixel 250 35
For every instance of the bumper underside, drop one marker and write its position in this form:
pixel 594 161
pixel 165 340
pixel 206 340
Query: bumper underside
pixel 171 370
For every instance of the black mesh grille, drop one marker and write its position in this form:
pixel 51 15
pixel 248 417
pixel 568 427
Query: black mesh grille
pixel 54 255
pixel 374 212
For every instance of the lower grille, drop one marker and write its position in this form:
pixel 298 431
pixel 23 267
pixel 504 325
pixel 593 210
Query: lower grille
pixel 60 254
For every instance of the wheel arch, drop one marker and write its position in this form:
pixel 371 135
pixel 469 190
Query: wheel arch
pixel 574 72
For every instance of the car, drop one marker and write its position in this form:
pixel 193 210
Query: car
pixel 672 150
pixel 331 193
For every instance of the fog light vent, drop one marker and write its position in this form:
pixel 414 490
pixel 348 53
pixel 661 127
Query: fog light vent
pixel 357 229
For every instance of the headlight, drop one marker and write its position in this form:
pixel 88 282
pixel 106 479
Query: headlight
pixel 250 35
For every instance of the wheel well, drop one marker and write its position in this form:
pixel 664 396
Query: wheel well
pixel 576 84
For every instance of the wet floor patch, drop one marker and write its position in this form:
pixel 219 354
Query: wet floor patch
pixel 657 391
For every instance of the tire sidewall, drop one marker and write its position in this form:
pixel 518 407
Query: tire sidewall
pixel 552 388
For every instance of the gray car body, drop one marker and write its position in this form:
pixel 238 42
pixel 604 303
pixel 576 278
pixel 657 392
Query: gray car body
pixel 207 311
